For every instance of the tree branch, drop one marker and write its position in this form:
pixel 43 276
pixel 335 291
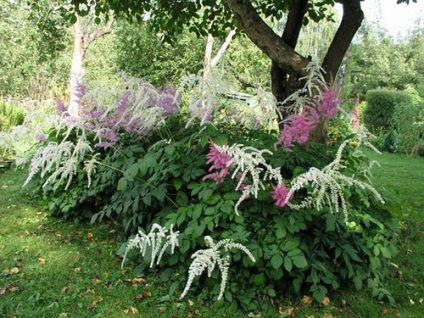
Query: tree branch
pixel 351 21
pixel 91 37
pixel 223 48
pixel 265 38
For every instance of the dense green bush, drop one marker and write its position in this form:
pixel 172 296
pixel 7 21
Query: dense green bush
pixel 10 115
pixel 158 176
pixel 381 106
pixel 408 121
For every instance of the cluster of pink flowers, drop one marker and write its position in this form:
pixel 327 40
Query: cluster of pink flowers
pixel 280 195
pixel 222 164
pixel 108 124
pixel 220 161
pixel 298 128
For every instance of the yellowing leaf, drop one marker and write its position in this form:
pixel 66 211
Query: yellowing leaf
pixel 14 270
pixel 41 260
pixel 90 235
pixel 138 281
pixel 97 299
pixel 326 301
pixel 77 269
pixel 307 301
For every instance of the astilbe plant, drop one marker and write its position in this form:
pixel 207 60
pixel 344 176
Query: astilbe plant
pixel 157 240
pixel 249 167
pixel 104 117
pixel 208 259
pixel 328 185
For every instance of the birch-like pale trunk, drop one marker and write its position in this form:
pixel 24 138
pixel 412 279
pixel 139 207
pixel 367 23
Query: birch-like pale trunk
pixel 77 67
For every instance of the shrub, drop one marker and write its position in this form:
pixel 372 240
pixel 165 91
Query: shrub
pixel 10 115
pixel 381 106
pixel 305 212
pixel 407 119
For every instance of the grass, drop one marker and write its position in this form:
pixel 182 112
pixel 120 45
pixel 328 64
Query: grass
pixel 53 268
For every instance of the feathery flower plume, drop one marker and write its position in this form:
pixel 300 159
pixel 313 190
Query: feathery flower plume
pixel 207 259
pixel 158 240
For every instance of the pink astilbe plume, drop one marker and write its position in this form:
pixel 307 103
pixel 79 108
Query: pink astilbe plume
pixel 328 104
pixel 280 195
pixel 297 129
pixel 220 161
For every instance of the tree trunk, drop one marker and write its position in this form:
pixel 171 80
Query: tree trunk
pixel 77 67
pixel 266 39
pixel 284 84
pixel 81 43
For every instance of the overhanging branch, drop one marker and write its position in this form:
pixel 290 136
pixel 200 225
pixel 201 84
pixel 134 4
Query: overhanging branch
pixel 265 38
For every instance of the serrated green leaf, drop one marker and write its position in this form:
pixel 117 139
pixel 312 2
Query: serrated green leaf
pixel 299 261
pixel 259 279
pixel 276 261
pixel 280 233
pixel 288 264
pixel 122 184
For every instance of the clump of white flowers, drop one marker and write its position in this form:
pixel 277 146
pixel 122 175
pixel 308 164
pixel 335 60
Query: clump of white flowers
pixel 327 186
pixel 314 82
pixel 249 164
pixel 157 240
pixel 209 258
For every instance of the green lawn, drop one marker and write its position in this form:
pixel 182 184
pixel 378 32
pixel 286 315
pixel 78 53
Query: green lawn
pixel 52 268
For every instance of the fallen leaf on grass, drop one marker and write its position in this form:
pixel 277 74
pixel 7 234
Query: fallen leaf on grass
pixel 14 270
pixel 77 270
pixel 132 310
pixel 138 281
pixel 97 299
pixel 384 311
pixel 8 288
pixel 90 235
pixel 41 260
pixel 162 310
pixel 327 316
pixel 307 301
pixel 326 301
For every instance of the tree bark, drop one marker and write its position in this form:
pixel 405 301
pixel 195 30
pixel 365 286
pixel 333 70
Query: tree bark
pixel 282 83
pixel 351 21
pixel 81 43
pixel 266 39
pixel 77 67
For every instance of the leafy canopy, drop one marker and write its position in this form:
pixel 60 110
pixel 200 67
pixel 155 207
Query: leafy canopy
pixel 172 16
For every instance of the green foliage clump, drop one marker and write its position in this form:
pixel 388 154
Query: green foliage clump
pixel 408 120
pixel 160 178
pixel 10 115
pixel 141 52
pixel 381 106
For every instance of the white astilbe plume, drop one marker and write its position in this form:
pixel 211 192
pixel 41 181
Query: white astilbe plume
pixel 250 162
pixel 310 91
pixel 206 94
pixel 158 240
pixel 327 187
pixel 209 258
pixel 90 167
